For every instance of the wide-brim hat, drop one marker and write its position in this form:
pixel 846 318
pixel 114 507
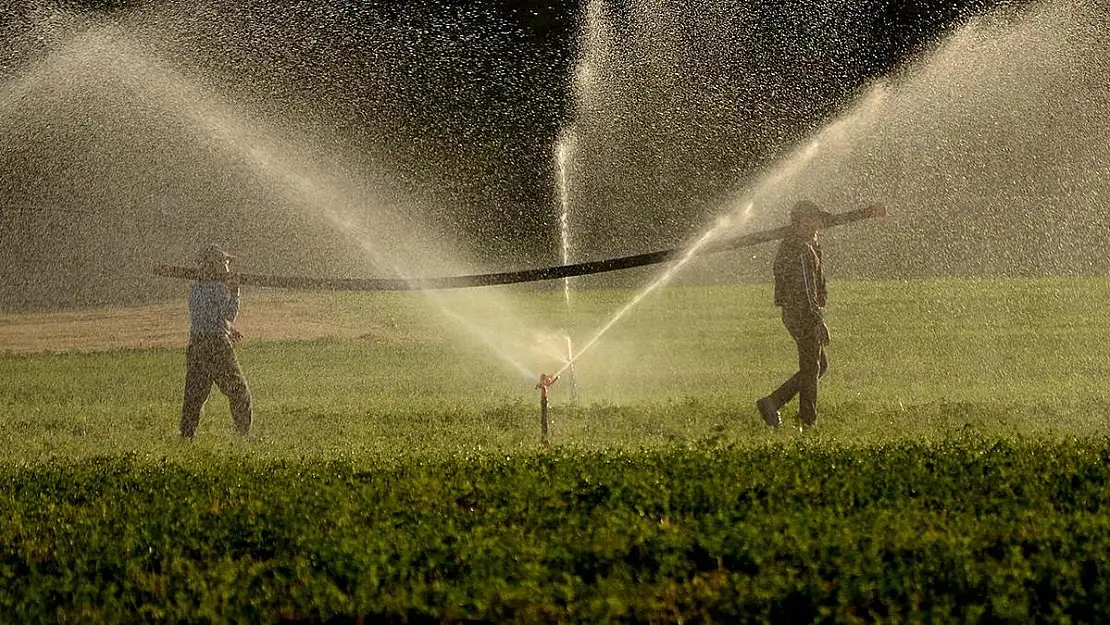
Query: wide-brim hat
pixel 212 254
pixel 806 208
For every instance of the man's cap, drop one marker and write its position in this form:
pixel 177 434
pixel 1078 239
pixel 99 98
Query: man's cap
pixel 212 254
pixel 806 208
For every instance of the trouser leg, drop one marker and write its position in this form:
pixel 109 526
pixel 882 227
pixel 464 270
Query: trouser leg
pixel 233 384
pixel 812 364
pixel 198 385
pixel 787 391
pixel 239 400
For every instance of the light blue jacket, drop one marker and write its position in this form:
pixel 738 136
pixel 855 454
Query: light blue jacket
pixel 212 309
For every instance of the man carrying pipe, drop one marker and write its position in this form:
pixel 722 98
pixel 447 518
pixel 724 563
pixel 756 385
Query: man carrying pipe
pixel 800 292
pixel 210 357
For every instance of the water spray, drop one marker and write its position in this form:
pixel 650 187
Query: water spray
pixel 570 370
pixel 562 156
pixel 688 254
pixel 545 383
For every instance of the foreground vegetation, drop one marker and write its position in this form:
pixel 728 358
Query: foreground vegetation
pixel 958 471
pixel 963 530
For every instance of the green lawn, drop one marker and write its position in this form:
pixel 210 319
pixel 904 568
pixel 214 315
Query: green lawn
pixel 914 360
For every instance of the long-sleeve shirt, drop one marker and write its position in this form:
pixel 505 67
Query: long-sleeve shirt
pixel 212 308
pixel 799 280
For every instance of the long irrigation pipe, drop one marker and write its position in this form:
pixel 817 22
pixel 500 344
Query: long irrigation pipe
pixel 509 277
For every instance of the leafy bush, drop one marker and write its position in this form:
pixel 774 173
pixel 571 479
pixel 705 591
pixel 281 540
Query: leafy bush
pixel 966 529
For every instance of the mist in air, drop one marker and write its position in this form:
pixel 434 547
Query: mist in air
pixel 425 140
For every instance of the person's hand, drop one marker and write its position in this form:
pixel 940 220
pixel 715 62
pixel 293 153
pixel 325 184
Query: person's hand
pixel 822 332
pixel 236 335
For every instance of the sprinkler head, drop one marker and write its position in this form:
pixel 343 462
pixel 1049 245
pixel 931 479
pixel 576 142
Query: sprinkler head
pixel 546 381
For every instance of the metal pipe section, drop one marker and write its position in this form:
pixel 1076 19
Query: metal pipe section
pixel 510 277
pixel 545 383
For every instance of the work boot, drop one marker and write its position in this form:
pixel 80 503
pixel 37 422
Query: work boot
pixel 769 411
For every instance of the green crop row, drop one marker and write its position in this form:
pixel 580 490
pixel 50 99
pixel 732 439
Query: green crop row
pixel 961 529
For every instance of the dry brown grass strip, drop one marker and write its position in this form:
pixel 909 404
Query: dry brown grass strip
pixel 264 317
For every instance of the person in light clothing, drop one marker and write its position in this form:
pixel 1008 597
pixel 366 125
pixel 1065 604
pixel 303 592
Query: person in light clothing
pixel 210 358
pixel 800 292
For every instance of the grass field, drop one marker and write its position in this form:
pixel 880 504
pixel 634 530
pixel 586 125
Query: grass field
pixel 384 374
pixel 397 472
